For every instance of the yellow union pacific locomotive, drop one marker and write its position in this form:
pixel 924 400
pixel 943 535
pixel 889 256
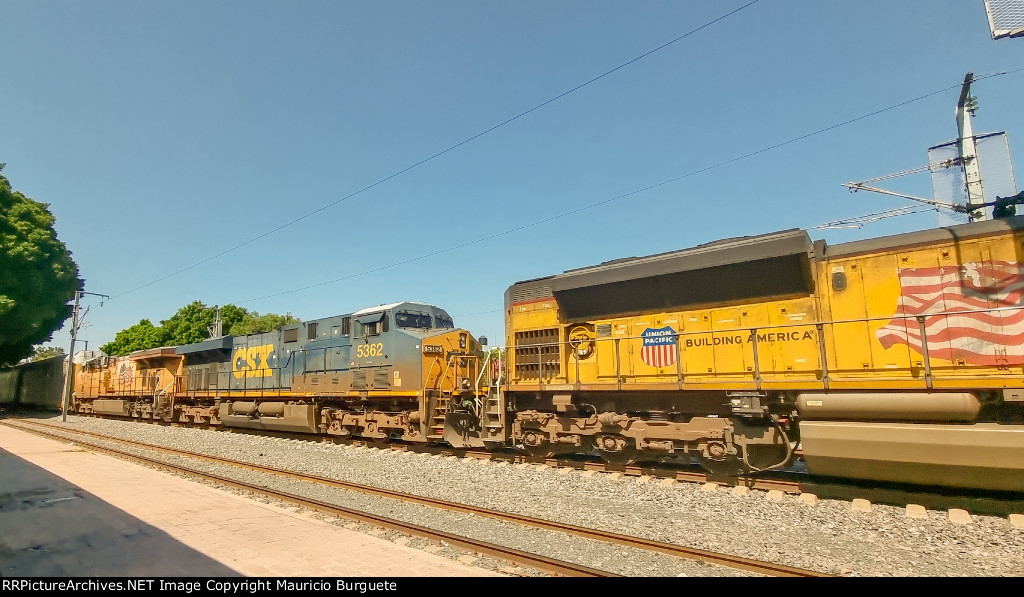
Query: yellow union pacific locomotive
pixel 898 358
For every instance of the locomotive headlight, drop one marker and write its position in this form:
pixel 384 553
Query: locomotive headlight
pixel 462 341
pixel 465 384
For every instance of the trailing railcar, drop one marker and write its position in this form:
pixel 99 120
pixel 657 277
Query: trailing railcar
pixel 898 358
pixel 385 372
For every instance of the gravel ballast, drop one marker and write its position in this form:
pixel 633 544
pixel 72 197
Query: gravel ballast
pixel 828 536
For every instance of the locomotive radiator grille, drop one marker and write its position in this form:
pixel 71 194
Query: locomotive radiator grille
pixel 536 350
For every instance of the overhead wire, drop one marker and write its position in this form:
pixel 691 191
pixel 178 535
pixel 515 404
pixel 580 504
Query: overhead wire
pixel 859 221
pixel 438 154
pixel 617 197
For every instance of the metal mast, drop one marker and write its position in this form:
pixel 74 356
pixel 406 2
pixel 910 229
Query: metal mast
pixel 969 151
pixel 217 329
pixel 70 372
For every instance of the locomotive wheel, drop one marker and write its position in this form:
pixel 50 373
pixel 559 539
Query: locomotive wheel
pixel 544 450
pixel 728 467
pixel 624 457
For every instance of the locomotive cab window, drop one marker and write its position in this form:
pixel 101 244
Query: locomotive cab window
pixel 407 319
pixel 372 325
pixel 443 321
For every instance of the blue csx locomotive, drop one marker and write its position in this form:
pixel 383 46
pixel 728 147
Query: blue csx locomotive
pixel 393 371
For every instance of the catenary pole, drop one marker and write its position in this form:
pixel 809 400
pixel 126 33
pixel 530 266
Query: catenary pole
pixel 69 371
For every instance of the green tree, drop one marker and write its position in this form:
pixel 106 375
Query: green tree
pixel 254 323
pixel 191 324
pixel 230 316
pixel 37 275
pixel 40 354
pixel 140 336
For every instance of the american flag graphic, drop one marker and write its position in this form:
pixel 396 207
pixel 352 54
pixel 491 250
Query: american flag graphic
pixel 993 338
pixel 126 373
pixel 659 349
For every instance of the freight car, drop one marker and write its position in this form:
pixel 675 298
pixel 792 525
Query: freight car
pixel 898 358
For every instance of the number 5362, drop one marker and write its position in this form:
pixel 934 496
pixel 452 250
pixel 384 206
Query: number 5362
pixel 370 350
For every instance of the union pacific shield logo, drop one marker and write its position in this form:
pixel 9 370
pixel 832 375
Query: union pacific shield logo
pixel 659 348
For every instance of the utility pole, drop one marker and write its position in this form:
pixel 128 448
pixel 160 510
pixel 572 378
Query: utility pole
pixel 70 372
pixel 969 151
pixel 217 329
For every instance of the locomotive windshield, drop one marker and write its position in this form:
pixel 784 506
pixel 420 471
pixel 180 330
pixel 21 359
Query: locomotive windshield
pixel 443 321
pixel 406 319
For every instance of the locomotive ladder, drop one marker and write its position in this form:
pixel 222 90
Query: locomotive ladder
pixel 437 415
pixel 444 398
pixel 494 410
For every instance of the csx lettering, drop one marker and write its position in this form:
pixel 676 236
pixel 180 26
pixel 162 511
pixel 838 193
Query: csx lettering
pixel 253 361
pixel 370 350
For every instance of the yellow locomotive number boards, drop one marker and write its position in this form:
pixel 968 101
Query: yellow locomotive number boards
pixel 370 350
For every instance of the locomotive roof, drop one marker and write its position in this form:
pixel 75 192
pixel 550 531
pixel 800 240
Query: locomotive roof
pixel 734 269
pixel 748 248
pixel 390 306
pixel 713 254
pixel 152 353
pixel 221 343
pixel 932 235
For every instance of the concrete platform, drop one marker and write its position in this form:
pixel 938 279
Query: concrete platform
pixel 65 511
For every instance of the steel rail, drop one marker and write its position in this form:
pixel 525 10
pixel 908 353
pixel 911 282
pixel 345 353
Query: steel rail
pixel 482 547
pixel 727 560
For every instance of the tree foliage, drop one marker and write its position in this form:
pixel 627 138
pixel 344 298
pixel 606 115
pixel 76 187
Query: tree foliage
pixel 254 323
pixel 191 324
pixel 41 354
pixel 140 336
pixel 37 275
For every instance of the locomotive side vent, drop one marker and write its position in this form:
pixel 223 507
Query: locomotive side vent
pixel 529 356
pixel 380 380
pixel 359 379
pixel 529 293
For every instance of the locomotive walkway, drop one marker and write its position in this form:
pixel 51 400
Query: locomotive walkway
pixel 65 511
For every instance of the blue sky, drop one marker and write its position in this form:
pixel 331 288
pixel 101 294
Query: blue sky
pixel 165 133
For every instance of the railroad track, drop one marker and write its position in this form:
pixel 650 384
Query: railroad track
pixel 893 494
pixel 692 474
pixel 500 552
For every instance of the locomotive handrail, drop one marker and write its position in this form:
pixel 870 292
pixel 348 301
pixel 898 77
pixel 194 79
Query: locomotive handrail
pixel 444 376
pixel 478 401
pixel 164 390
pixel 501 372
pixel 427 376
pixel 756 372
pixel 483 368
